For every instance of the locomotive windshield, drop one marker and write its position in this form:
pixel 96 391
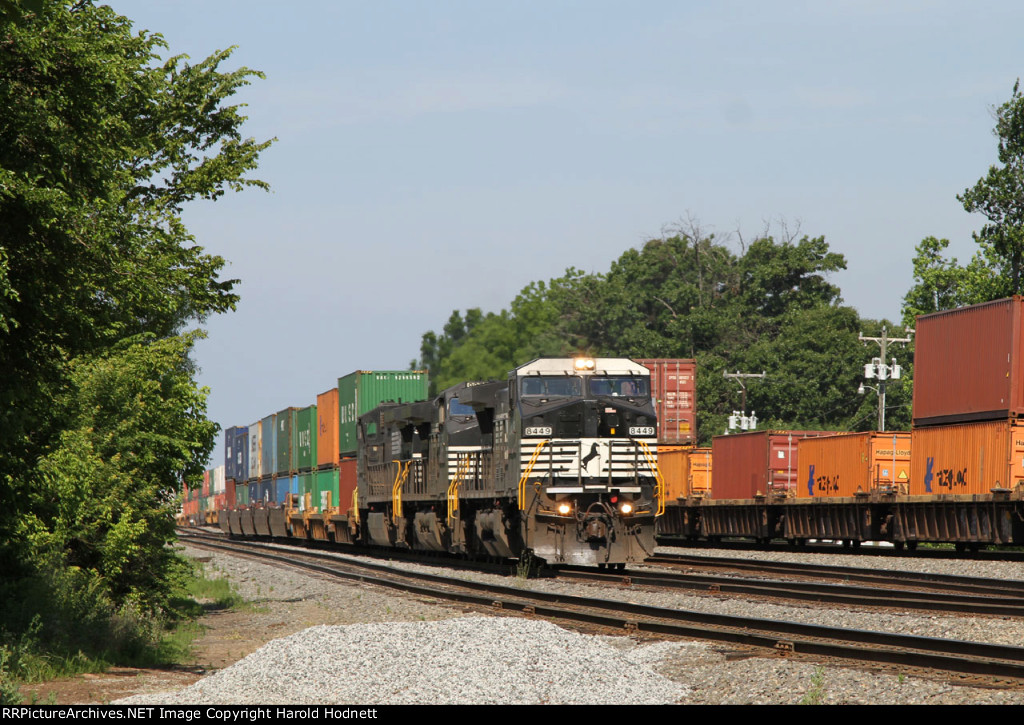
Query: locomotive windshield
pixel 550 386
pixel 457 408
pixel 620 386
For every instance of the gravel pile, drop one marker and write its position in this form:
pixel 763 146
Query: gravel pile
pixel 479 660
pixel 392 656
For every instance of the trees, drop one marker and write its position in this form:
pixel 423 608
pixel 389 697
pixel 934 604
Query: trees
pixel 1000 196
pixel 102 142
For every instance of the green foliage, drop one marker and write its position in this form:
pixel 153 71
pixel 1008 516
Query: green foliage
pixel 999 196
pixel 102 143
pixel 816 694
pixel 106 494
pixel 770 308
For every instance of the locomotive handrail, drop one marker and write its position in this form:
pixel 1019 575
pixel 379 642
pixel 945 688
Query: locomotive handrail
pixel 653 463
pixel 453 487
pixel 396 489
pixel 528 471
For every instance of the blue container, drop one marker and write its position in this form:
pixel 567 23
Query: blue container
pixel 254 492
pixel 268 445
pixel 267 490
pixel 286 485
pixel 236 453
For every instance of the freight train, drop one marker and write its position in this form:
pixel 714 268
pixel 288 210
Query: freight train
pixel 560 459
pixel 558 462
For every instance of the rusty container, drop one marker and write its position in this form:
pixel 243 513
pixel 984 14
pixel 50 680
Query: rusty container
pixel 686 470
pixel 967 458
pixel 968 364
pixel 346 483
pixel 327 428
pixel 843 465
pixel 674 393
pixel 757 463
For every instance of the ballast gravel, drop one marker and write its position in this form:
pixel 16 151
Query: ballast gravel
pixel 464 661
pixel 389 649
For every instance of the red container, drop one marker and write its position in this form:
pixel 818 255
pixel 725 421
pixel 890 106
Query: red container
pixel 757 463
pixel 346 483
pixel 327 428
pixel 968 364
pixel 968 458
pixel 674 392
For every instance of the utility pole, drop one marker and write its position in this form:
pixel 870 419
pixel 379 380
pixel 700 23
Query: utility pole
pixel 878 368
pixel 739 418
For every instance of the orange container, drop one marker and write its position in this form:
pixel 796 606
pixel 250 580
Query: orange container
pixel 327 428
pixel 687 471
pixel 842 465
pixel 967 458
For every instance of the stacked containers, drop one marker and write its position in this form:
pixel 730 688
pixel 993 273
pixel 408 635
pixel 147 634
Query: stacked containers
pixel 327 455
pixel 757 463
pixel 268 459
pixel 843 465
pixel 968 399
pixel 674 394
pixel 236 453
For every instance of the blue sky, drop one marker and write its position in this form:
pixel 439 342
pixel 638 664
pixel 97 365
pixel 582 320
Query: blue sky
pixel 441 155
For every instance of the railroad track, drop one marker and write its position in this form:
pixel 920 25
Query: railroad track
pixel 890 579
pixel 990 664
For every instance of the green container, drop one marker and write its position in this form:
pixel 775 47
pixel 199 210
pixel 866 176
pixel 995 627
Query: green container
pixel 304 432
pixel 241 495
pixel 306 485
pixel 362 391
pixel 285 449
pixel 324 482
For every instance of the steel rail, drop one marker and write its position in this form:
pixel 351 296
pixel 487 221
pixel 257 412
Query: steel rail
pixel 814 591
pixel 904 579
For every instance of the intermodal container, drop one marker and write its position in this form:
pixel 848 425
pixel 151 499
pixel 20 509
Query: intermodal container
pixel 362 391
pixel 255 446
pixel 757 463
pixel 687 471
pixel 327 428
pixel 967 458
pixel 285 448
pixel 843 465
pixel 969 363
pixel 206 483
pixel 217 481
pixel 286 487
pixel 241 495
pixel 268 445
pixel 346 483
pixel 236 453
pixel 305 486
pixel 325 489
pixel 304 438
pixel 674 394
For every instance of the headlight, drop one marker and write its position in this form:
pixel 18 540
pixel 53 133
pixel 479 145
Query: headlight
pixel 583 363
pixel 565 509
pixel 626 508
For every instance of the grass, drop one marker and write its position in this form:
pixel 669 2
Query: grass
pixel 815 695
pixel 68 637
